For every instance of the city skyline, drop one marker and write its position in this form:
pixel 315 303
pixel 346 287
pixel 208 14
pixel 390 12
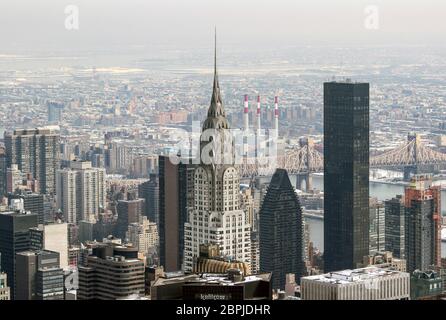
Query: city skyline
pixel 302 156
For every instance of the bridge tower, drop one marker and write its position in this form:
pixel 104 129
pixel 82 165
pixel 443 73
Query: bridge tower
pixel 308 144
pixel 412 169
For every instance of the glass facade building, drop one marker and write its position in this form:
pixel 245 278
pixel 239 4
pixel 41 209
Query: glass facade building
pixel 346 174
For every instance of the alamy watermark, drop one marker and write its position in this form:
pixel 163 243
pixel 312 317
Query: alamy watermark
pixel 72 18
pixel 225 147
pixel 371 21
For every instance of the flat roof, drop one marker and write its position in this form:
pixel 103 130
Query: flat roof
pixel 355 275
pixel 207 278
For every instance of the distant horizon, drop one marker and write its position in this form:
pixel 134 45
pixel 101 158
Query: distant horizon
pixel 39 26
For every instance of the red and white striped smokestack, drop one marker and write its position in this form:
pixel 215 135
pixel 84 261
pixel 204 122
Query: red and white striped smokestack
pixel 258 113
pixel 246 114
pixel 276 114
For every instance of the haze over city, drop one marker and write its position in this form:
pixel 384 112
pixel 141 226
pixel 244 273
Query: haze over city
pixel 312 134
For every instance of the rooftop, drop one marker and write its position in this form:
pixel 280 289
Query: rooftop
pixel 356 275
pixel 210 279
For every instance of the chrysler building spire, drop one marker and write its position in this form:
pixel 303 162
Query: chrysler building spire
pixel 216 118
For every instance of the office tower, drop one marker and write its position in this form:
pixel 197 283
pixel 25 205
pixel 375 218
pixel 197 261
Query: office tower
pixel 376 226
pixel 129 211
pixel 5 292
pixel 422 202
pixel 395 217
pixel 91 189
pixel 3 170
pixel 14 238
pixel 81 191
pixel 66 195
pixel 53 237
pixel 370 283
pixel 32 202
pixel 39 276
pixel 112 272
pixel 149 191
pixel 216 216
pixel 176 196
pixel 281 231
pixel 35 151
pixel 143 236
pixel 55 112
pixel 346 174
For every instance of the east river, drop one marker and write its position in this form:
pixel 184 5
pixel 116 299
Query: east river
pixel 380 190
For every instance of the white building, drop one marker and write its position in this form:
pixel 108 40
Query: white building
pixel 53 237
pixel 217 216
pixel 371 283
pixel 143 236
pixel 66 194
pixel 81 191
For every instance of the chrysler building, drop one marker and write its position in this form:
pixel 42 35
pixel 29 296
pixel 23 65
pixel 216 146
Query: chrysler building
pixel 216 216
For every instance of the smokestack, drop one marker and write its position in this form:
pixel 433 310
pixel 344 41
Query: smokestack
pixel 246 114
pixel 276 114
pixel 258 113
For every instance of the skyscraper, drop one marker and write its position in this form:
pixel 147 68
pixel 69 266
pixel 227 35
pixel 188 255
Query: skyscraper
pixel 81 191
pixel 35 151
pixel 176 196
pixel 3 170
pixel 377 226
pixel 149 191
pixel 129 211
pixel 422 201
pixel 216 216
pixel 395 227
pixel 14 237
pixel 281 231
pixel 346 174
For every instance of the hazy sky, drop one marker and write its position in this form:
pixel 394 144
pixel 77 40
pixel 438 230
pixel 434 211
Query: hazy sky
pixel 39 24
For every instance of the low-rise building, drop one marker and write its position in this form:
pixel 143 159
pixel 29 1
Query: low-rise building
pixel 230 286
pixel 425 285
pixel 370 283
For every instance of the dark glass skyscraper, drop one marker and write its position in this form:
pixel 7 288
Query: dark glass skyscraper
pixel 149 191
pixel 346 174
pixel 281 231
pixel 395 227
pixel 423 203
pixel 176 195
pixel 14 237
